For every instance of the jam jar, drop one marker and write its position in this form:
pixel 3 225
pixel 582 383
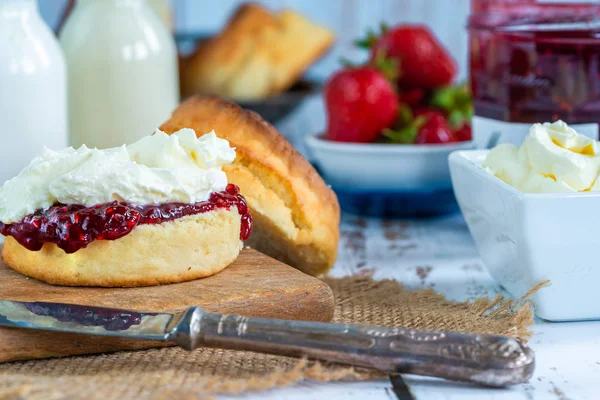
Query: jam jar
pixel 533 61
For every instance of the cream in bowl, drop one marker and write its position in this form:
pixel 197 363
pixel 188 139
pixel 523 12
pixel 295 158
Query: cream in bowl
pixel 554 158
pixel 533 214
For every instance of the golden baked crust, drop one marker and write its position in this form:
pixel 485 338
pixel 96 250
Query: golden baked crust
pixel 296 215
pixel 258 54
pixel 187 248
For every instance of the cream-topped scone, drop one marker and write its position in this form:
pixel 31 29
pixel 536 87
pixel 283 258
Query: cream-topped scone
pixel 156 211
pixel 553 158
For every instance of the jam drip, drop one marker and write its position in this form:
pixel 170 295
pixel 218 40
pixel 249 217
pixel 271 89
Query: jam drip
pixel 108 318
pixel 73 227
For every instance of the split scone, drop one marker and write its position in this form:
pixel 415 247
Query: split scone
pixel 157 211
pixel 258 54
pixel 296 215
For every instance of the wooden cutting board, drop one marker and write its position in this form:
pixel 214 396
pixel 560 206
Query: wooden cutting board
pixel 254 285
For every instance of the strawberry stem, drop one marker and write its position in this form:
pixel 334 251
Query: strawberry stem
pixel 409 128
pixel 372 36
pixel 368 41
pixel 456 101
pixel 387 66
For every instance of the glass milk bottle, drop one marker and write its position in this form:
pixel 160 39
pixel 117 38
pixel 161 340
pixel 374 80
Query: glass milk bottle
pixel 33 99
pixel 122 63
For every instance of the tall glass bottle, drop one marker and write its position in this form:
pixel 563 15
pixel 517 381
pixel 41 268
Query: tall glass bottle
pixel 33 100
pixel 123 76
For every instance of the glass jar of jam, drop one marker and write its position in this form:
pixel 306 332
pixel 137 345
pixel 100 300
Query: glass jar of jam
pixel 534 61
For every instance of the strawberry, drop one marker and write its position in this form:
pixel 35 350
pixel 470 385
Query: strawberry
pixel 360 103
pixel 435 129
pixel 422 61
pixel 412 97
pixel 463 134
pixel 425 126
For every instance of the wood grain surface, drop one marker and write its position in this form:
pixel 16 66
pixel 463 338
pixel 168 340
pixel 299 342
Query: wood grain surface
pixel 254 285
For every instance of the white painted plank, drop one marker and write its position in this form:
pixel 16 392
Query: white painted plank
pixel 380 390
pixel 567 354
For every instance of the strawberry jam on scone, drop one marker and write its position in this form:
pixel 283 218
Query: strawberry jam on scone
pixel 159 210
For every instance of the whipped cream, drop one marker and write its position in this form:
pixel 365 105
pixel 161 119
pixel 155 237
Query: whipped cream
pixel 156 169
pixel 553 158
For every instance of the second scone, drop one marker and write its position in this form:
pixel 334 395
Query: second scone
pixel 296 215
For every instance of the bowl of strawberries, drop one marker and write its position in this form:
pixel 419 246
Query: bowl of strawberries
pixel 391 124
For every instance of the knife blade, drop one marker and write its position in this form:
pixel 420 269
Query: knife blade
pixel 482 359
pixel 85 320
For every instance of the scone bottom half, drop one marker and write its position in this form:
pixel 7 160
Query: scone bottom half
pixel 121 244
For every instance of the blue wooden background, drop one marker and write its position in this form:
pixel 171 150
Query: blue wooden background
pixel 349 19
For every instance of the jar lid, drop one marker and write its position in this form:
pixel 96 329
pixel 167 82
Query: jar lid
pixel 534 15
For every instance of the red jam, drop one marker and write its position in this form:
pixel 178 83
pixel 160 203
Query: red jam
pixel 73 227
pixel 534 62
pixel 108 318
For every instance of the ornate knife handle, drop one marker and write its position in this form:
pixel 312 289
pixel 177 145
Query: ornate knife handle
pixel 483 359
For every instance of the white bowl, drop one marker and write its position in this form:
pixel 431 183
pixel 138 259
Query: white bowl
pixel 383 166
pixel 525 239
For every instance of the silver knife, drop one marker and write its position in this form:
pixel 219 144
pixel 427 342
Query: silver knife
pixel 482 359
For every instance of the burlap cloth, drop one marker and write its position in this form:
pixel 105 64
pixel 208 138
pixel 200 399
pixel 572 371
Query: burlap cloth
pixel 171 373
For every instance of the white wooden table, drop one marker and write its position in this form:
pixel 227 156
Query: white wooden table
pixel 567 354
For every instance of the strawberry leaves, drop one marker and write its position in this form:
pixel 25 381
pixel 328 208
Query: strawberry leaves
pixel 407 127
pixel 372 36
pixel 456 102
pixel 387 66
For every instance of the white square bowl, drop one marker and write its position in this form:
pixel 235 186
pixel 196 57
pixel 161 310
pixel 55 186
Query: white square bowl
pixel 525 239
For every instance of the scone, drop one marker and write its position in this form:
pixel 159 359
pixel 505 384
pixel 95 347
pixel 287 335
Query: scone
pixel 296 215
pixel 258 54
pixel 157 211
